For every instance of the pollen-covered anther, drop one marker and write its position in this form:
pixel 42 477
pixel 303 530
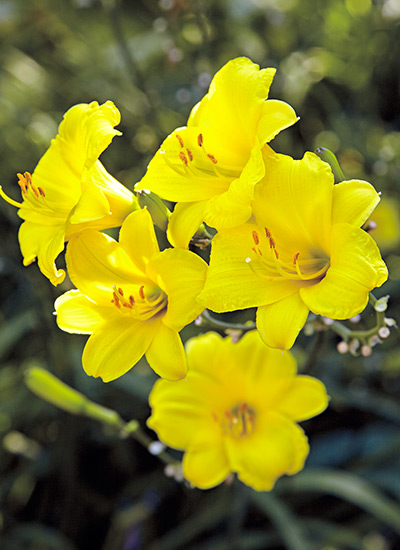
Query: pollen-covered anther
pixel 120 301
pixel 181 142
pixel 239 421
pixel 141 293
pixel 183 158
pixel 200 140
pixel 296 257
pixel 256 238
pixel 267 233
pixel 212 158
pixel 190 154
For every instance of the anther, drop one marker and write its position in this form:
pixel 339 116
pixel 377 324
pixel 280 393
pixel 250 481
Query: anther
pixel 296 257
pixel 120 291
pixel 181 143
pixel 255 237
pixel 141 293
pixel 271 242
pixel 42 193
pixel 200 140
pixel 267 232
pixel 131 300
pixel 183 158
pixel 190 154
pixel 212 158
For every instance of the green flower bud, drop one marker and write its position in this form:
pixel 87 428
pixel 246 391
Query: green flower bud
pixel 158 211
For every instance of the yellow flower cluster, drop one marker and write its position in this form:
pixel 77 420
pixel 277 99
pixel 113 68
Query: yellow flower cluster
pixel 288 241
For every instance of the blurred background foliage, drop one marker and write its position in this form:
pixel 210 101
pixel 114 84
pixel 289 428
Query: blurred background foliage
pixel 68 484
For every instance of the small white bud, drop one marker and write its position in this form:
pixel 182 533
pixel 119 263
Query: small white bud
pixel 366 351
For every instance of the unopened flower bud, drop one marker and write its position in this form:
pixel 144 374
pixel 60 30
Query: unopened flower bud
pixel 384 332
pixel 381 304
pixel 355 319
pixel 374 340
pixel 366 351
pixel 353 347
pixel 342 347
pixel 327 321
pixel 158 211
pixel 390 322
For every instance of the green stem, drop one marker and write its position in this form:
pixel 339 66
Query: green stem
pixel 222 325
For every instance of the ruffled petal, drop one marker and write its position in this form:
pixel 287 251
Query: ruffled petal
pixel 304 399
pixel 353 202
pixel 231 283
pixel 96 253
pixel 166 355
pixel 294 201
pixel 356 268
pixel 280 323
pixel 277 447
pixel 79 315
pixel 184 222
pixel 181 274
pixel 45 242
pixel 138 238
pixel 206 468
pixel 276 116
pixel 116 346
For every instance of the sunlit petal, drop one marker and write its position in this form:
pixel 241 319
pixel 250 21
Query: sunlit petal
pixel 353 202
pixel 184 222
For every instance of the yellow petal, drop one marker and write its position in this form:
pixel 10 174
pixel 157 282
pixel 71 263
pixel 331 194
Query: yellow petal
pixel 46 243
pixel 304 399
pixel 353 202
pixel 356 268
pixel 294 201
pixel 276 116
pixel 166 355
pixel 117 345
pixel 138 238
pixel 92 205
pixel 231 283
pixel 79 315
pixel 280 323
pixel 277 447
pixel 96 263
pixel 207 467
pixel 184 222
pixel 181 274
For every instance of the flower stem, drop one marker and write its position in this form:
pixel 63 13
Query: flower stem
pixel 207 319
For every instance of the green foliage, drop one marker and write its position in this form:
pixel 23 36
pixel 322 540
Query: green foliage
pixel 68 484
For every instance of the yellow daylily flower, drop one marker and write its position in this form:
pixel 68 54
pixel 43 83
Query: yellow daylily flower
pixel 132 299
pixel 211 165
pixel 237 411
pixel 305 251
pixel 70 190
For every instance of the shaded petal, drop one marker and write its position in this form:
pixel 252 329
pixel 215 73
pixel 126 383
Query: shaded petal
pixel 280 323
pixel 230 283
pixel 79 315
pixel 166 355
pixel 45 242
pixel 277 447
pixel 138 238
pixel 116 346
pixel 353 202
pixel 181 274
pixel 304 399
pixel 356 268
pixel 184 222
pixel 276 116
pixel 295 202
pixel 96 253
pixel 206 468
pixel 92 205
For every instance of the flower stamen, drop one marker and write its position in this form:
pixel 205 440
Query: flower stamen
pixel 239 421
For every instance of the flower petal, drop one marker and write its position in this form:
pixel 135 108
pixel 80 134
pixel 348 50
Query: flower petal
pixel 79 315
pixel 207 467
pixel 45 242
pixel 356 268
pixel 230 283
pixel 280 323
pixel 166 355
pixel 353 202
pixel 92 205
pixel 277 447
pixel 184 222
pixel 96 253
pixel 276 116
pixel 304 399
pixel 181 274
pixel 116 346
pixel 138 238
pixel 295 202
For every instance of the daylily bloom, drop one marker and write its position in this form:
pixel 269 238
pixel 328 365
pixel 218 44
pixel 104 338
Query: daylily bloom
pixel 70 190
pixel 237 411
pixel 210 166
pixel 305 251
pixel 132 299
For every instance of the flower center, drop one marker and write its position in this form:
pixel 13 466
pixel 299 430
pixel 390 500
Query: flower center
pixel 238 421
pixel 268 262
pixel 28 190
pixel 142 302
pixel 194 161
